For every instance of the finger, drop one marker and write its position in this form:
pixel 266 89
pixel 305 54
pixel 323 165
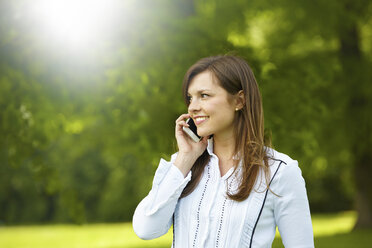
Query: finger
pixel 180 125
pixel 179 128
pixel 182 117
pixel 205 140
pixel 183 123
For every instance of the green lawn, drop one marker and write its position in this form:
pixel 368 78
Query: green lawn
pixel 331 230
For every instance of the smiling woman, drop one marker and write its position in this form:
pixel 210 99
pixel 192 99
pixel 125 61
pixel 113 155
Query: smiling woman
pixel 230 189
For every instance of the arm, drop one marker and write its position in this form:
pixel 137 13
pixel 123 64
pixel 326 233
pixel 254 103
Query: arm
pixel 153 215
pixel 291 209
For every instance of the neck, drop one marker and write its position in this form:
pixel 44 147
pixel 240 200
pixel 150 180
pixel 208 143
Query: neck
pixel 224 147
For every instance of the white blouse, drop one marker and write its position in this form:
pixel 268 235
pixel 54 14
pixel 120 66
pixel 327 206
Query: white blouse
pixel 208 218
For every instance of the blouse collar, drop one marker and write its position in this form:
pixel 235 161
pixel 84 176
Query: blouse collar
pixel 210 146
pixel 210 149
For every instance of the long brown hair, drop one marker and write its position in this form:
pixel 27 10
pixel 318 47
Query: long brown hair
pixel 234 74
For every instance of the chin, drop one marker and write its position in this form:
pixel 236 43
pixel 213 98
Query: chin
pixel 202 133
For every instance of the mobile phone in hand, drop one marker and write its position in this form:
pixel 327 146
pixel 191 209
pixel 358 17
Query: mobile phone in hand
pixel 191 130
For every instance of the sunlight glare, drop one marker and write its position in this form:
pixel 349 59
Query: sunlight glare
pixel 76 22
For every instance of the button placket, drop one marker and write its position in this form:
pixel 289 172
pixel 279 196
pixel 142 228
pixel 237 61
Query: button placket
pixel 224 206
pixel 199 206
pixel 213 198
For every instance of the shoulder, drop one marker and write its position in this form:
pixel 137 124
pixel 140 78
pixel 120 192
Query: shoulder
pixel 284 169
pixel 276 157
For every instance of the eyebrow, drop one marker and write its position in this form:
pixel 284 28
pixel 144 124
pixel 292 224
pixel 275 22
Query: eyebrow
pixel 199 91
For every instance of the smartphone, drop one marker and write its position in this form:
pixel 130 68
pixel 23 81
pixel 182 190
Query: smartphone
pixel 191 130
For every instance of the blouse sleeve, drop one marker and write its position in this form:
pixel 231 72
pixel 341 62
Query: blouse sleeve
pixel 292 212
pixel 153 215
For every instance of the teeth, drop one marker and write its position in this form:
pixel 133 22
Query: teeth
pixel 200 118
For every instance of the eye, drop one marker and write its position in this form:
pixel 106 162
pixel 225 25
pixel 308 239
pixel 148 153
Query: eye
pixel 189 98
pixel 203 95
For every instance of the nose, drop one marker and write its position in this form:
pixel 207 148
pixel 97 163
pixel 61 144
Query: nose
pixel 194 106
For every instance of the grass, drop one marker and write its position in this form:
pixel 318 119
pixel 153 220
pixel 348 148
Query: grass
pixel 331 230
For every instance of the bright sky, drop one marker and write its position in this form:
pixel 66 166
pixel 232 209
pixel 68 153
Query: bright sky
pixel 75 23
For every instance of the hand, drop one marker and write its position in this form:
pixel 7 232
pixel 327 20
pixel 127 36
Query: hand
pixel 188 150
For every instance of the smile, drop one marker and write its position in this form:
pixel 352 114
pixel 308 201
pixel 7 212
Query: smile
pixel 200 119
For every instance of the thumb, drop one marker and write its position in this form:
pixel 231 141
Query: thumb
pixel 205 140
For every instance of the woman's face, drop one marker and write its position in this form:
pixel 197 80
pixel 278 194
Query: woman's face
pixel 211 107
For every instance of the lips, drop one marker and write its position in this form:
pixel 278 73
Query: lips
pixel 200 119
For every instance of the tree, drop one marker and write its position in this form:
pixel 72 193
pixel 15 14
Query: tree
pixel 81 141
pixel 328 43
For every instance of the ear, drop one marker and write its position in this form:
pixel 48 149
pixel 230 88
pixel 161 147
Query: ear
pixel 239 100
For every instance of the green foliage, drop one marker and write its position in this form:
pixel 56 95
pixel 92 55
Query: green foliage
pixel 81 139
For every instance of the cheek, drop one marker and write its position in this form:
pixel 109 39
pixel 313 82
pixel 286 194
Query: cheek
pixel 226 107
pixel 224 112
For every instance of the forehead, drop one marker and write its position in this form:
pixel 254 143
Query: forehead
pixel 203 81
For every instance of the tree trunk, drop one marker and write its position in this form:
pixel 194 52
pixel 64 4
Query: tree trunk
pixel 363 172
pixel 355 80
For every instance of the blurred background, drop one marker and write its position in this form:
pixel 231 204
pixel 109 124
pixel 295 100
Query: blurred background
pixel 90 90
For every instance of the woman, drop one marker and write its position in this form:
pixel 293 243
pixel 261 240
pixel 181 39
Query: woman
pixel 229 189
